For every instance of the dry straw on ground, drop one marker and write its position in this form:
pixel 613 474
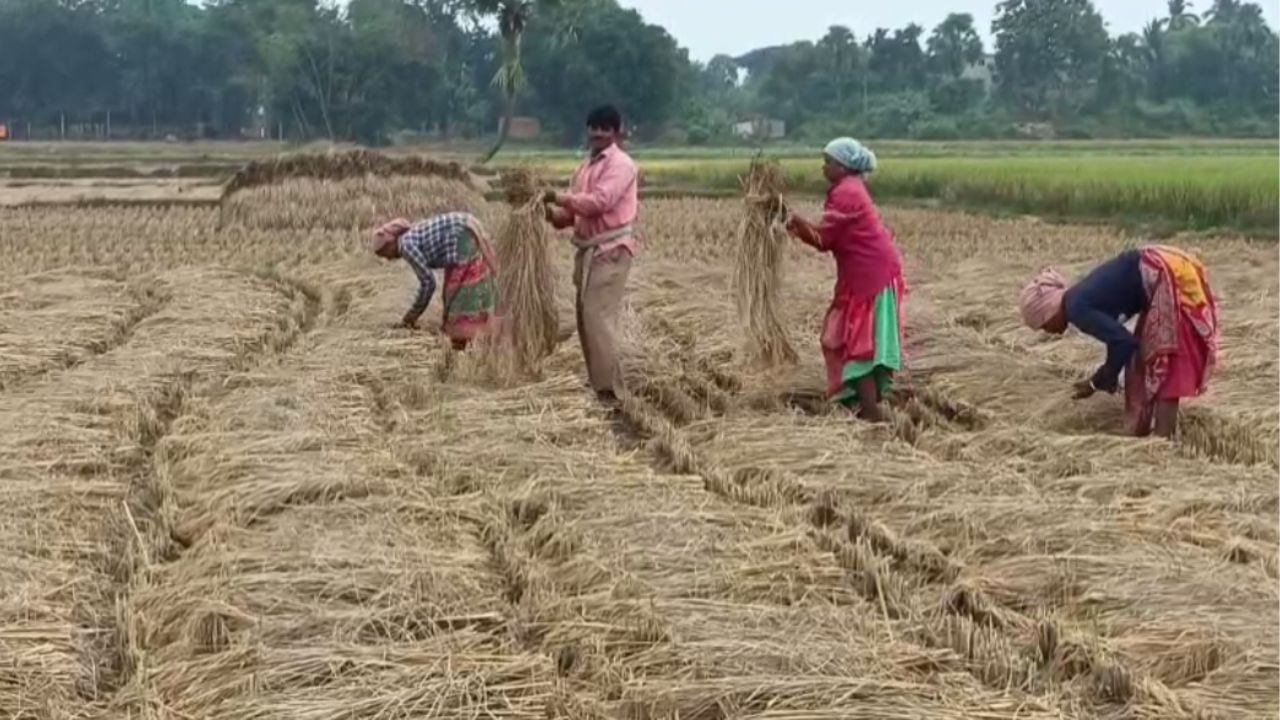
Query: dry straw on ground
pixel 526 277
pixel 76 453
pixel 757 271
pixel 315 523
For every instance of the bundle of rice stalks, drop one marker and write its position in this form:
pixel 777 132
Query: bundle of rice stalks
pixel 757 271
pixel 526 276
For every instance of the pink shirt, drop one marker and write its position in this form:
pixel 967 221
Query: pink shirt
pixel 604 198
pixel 866 258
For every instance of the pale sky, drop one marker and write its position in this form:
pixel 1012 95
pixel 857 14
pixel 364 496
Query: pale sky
pixel 732 27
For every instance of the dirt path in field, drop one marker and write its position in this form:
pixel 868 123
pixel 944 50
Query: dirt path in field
pixel 250 497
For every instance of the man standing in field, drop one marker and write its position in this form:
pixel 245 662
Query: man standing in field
pixel 601 208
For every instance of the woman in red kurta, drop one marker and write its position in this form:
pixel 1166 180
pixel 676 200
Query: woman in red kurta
pixel 862 333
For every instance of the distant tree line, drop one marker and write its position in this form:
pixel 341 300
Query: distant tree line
pixel 1053 65
pixel 381 70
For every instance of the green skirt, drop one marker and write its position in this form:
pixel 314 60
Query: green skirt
pixel 470 288
pixel 886 358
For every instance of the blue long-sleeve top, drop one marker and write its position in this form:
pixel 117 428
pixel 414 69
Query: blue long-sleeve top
pixel 431 244
pixel 1100 304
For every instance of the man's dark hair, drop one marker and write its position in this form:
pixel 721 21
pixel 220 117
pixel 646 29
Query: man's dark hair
pixel 605 117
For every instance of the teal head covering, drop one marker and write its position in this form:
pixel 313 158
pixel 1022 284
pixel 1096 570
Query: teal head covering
pixel 852 154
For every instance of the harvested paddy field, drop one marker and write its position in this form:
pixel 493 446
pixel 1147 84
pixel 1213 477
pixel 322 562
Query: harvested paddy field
pixel 97 191
pixel 233 491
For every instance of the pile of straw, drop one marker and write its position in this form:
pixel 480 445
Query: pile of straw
pixel 354 188
pixel 526 276
pixel 339 166
pixel 757 271
pixel 356 203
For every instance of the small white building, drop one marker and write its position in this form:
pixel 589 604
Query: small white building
pixel 983 71
pixel 760 128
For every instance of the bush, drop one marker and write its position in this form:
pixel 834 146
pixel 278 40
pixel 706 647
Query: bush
pixel 822 129
pixel 936 128
pixel 1248 126
pixel 1178 117
pixel 1076 131
pixel 983 124
pixel 893 115
pixel 950 97
pixel 674 136
pixel 700 135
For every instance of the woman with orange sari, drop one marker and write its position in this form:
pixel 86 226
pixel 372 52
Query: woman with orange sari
pixel 1174 348
pixel 862 333
pixel 458 244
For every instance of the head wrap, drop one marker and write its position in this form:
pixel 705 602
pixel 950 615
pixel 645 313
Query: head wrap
pixel 1041 299
pixel 852 154
pixel 388 233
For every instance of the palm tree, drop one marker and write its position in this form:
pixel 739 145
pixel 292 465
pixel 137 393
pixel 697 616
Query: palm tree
pixel 513 16
pixel 1180 16
pixel 841 49
pixel 1223 12
pixel 1153 43
pixel 1127 63
pixel 1245 42
pixel 954 45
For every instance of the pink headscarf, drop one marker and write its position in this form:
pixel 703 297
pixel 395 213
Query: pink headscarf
pixel 1041 299
pixel 388 233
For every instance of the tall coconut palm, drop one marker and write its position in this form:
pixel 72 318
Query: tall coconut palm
pixel 954 45
pixel 840 50
pixel 512 16
pixel 1223 12
pixel 1126 68
pixel 1180 16
pixel 1153 45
